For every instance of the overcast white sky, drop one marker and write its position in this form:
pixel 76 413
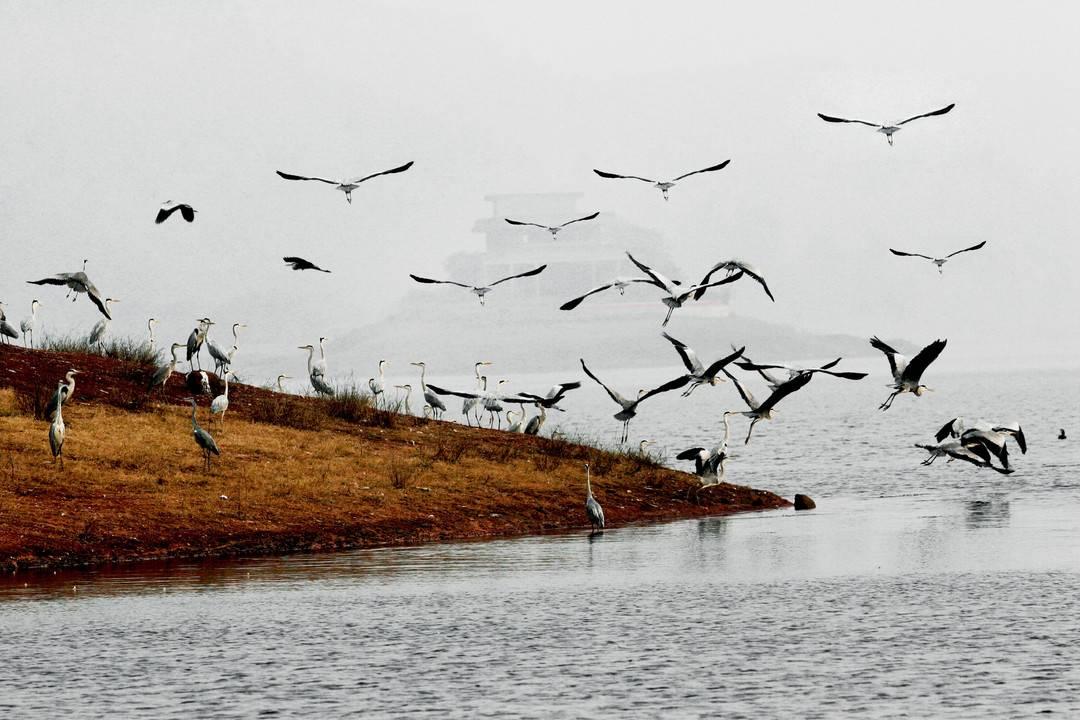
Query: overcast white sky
pixel 111 108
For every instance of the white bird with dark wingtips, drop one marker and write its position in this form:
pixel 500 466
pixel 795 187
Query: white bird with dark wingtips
pixel 553 229
pixel 677 295
pixel 764 411
pixel 480 290
pixel 774 382
pixel 697 373
pixel 937 261
pixel 907 374
pixel 620 283
pixel 347 186
pixel 629 407
pixel 662 186
pixel 888 129
pixel 169 207
pixel 77 282
pixel 730 267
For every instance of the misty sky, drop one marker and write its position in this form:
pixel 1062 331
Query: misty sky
pixel 111 108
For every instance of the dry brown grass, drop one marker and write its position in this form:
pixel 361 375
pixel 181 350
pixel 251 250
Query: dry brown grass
pixel 291 477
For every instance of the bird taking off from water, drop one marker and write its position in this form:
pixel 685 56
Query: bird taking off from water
pixel 169 207
pixel 887 128
pixel 907 374
pixel 662 186
pixel 480 290
pixel 553 229
pixel 347 186
pixel 299 263
pixel 77 282
pixel 937 261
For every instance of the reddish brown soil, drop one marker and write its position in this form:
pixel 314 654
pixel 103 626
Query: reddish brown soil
pixel 133 486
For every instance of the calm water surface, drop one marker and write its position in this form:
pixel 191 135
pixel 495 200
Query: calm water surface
pixel 910 592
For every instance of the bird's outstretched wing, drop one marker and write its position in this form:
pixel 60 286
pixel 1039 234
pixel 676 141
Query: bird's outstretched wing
pixel 95 297
pixel 55 280
pixel 786 388
pixel 603 174
pixel 696 289
pixel 845 375
pixel 690 454
pixel 581 219
pixel 669 385
pixel 901 253
pixel 419 279
pixel 518 222
pixel 890 353
pixel 973 247
pixel 922 360
pixel 746 395
pixel 187 212
pixel 657 279
pixel 829 118
pixel 942 111
pixel 950 428
pixel 723 362
pixel 1017 432
pixel 689 357
pixel 529 273
pixel 614 395
pixel 164 213
pixel 571 304
pixel 400 168
pixel 730 266
pixel 455 393
pixel 288 176
pixel 721 166
pixel 299 263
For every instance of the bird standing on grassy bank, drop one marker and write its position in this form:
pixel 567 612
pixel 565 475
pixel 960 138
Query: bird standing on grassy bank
pixel 163 373
pixel 7 331
pixel 438 407
pixel 223 359
pixel 97 333
pixel 150 329
pixel 408 393
pixel 67 387
pixel 317 369
pixel 195 341
pixel 593 510
pixel 377 385
pixel 280 388
pixel 28 324
pixel 202 438
pixel 220 404
pixel 57 430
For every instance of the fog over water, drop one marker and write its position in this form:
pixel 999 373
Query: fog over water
pixel 112 109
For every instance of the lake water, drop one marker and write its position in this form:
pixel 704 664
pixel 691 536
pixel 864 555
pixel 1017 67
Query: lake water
pixel 942 591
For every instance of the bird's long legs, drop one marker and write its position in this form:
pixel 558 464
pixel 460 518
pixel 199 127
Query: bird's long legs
pixel 751 430
pixel 888 403
pixel 667 317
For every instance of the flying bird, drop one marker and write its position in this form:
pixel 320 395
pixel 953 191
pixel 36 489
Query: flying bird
pixel 169 207
pixel 553 396
pixel 774 382
pixel 937 261
pixel 887 129
pixel 629 407
pixel 299 263
pixel 974 453
pixel 731 267
pixel 764 411
pixel 347 186
pixel 619 283
pixel 553 229
pixel 479 290
pixel 77 282
pixel 906 375
pixel 662 186
pixel 697 373
pixel 676 293
pixel 709 463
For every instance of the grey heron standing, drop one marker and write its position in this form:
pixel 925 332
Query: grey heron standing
pixel 661 185
pixel 347 186
pixel 203 439
pixel 709 464
pixel 593 511
pixel 195 341
pixel 223 359
pixel 408 393
pixel 536 422
pixel 7 330
pixel 163 373
pixel 906 375
pixel 281 389
pixel 469 402
pixel 67 388
pixel 28 324
pixel 888 129
pixel 437 405
pixel 516 424
pixel 97 333
pixel 317 371
pixel 150 329
pixel 57 429
pixel 378 385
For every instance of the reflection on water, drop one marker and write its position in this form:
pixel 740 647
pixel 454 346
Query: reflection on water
pixel 909 592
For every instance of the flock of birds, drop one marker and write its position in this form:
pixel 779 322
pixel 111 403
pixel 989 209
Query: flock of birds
pixel 980 444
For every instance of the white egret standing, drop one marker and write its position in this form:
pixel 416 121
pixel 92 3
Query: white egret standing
pixel 28 324
pixel 220 404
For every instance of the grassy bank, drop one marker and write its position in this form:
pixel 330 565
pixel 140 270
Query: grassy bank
pixel 295 474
